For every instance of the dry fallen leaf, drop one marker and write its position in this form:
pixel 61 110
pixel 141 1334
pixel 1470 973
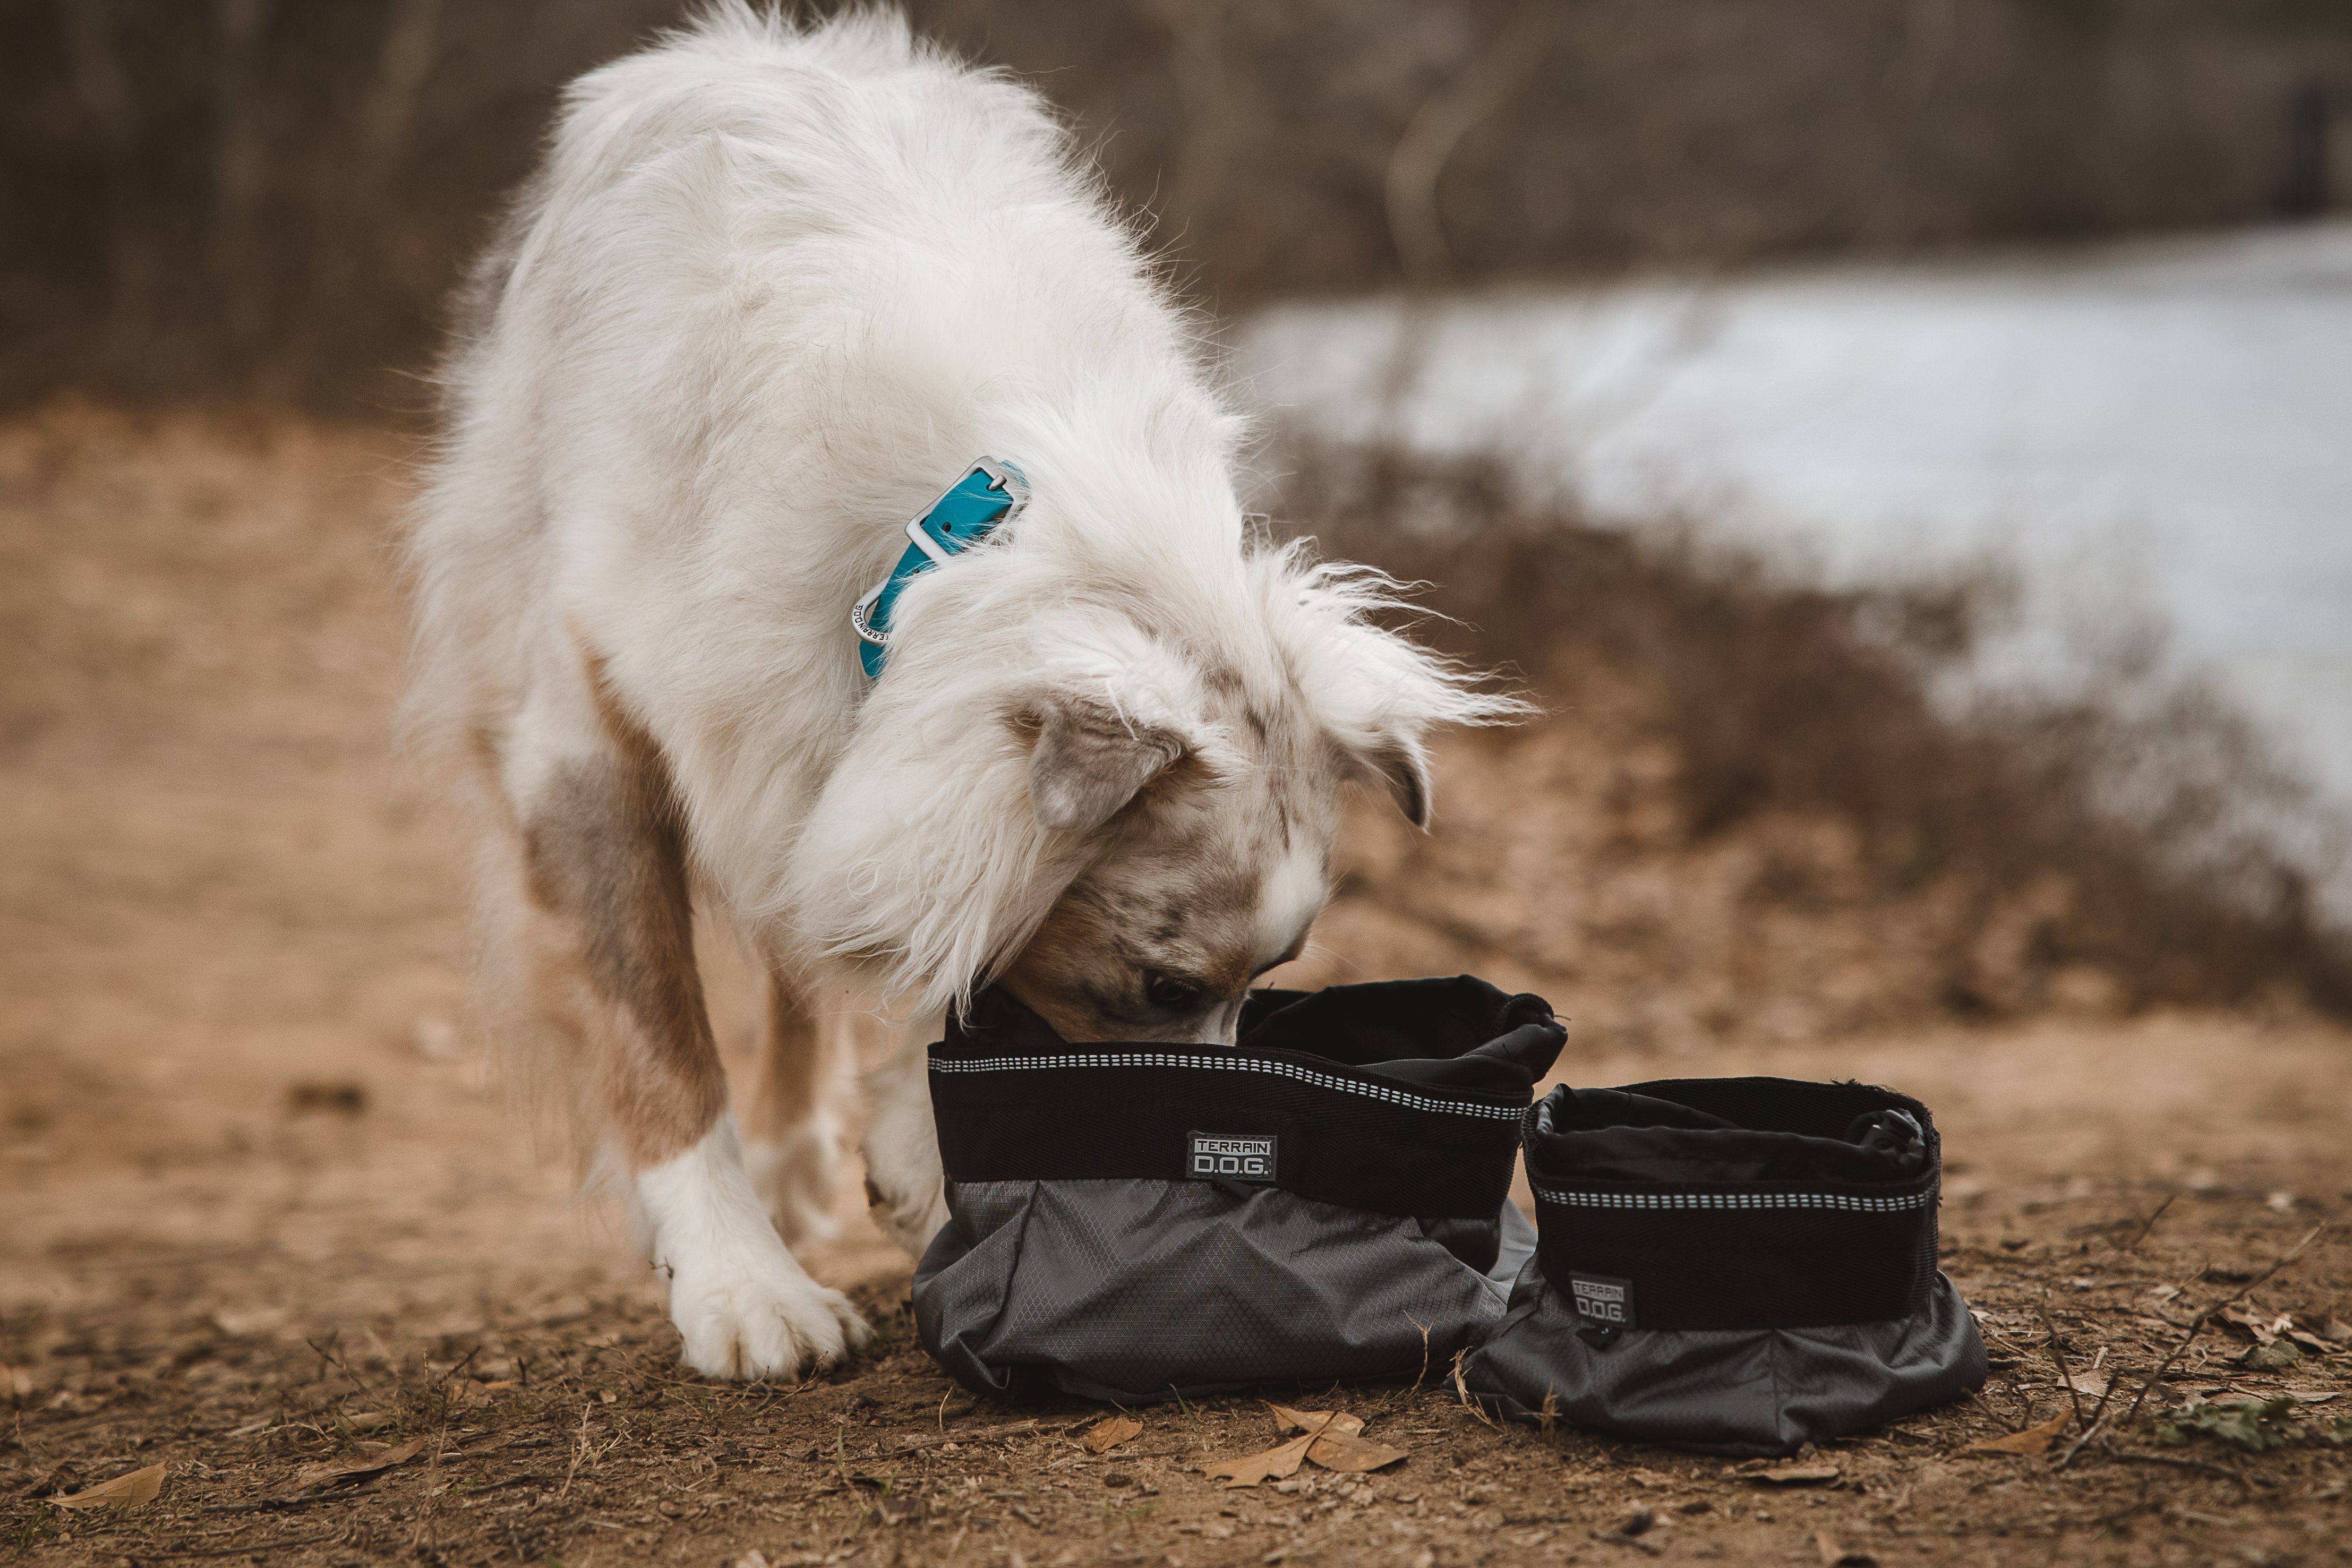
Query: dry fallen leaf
pixel 1796 1475
pixel 2266 1329
pixel 1332 1440
pixel 124 1491
pixel 2035 1439
pixel 1350 1454
pixel 1109 1433
pixel 1285 1419
pixel 2336 1330
pixel 2310 1338
pixel 2091 1382
pixel 1342 1445
pixel 379 1458
pixel 1276 1463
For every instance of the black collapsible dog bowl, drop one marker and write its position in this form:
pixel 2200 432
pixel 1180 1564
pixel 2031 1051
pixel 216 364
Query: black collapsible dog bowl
pixel 1131 1221
pixel 1734 1265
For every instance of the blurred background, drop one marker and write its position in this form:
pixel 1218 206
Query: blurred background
pixel 258 196
pixel 1906 445
pixel 1906 437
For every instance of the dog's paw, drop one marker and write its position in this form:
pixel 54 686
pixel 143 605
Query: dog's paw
pixel 794 1180
pixel 750 1317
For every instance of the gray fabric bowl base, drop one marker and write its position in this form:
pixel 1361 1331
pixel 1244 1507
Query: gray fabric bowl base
pixel 1745 1393
pixel 1136 1290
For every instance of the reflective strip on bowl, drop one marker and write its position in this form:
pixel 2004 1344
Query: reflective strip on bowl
pixel 1835 1200
pixel 1411 1101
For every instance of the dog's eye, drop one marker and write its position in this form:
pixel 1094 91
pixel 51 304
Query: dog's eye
pixel 1171 990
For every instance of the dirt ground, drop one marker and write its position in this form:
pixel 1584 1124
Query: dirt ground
pixel 261 1213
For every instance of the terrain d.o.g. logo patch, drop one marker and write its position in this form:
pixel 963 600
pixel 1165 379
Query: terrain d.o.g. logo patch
pixel 1218 1157
pixel 1601 1301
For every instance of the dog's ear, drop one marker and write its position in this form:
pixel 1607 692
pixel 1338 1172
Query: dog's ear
pixel 1400 766
pixel 1087 761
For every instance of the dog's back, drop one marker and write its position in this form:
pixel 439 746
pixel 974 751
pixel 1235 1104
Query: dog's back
pixel 771 287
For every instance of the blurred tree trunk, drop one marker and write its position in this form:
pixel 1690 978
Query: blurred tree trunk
pixel 239 149
pixel 133 260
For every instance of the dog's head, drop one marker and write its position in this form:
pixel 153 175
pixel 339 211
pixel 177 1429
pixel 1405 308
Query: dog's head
pixel 1123 821
pixel 1209 831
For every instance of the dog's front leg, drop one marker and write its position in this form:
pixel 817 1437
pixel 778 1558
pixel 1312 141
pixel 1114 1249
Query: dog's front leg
pixel 605 863
pixel 904 1185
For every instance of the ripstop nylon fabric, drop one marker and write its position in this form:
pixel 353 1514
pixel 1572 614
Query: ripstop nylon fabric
pixel 1735 1265
pixel 1364 1227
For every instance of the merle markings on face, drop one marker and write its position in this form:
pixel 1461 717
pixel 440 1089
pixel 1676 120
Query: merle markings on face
pixel 1206 878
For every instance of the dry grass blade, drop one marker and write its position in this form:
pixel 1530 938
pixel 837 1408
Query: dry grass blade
pixel 381 1457
pixel 1110 1432
pixel 914 1441
pixel 2149 1223
pixel 124 1491
pixel 2033 1440
pixel 1462 1390
pixel 2058 1357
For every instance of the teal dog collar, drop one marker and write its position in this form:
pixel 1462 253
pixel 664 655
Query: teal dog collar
pixel 993 492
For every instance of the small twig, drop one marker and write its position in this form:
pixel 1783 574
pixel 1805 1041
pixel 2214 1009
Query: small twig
pixel 2197 1325
pixel 331 1359
pixel 2065 1378
pixel 459 1370
pixel 2098 1417
pixel 2149 1223
pixel 1976 1396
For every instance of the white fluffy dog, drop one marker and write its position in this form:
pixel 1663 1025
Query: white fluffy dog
pixel 774 290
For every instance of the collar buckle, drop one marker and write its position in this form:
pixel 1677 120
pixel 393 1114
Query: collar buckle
pixel 990 493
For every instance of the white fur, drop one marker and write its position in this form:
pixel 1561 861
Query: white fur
pixel 773 290
pixel 741 1303
pixel 902 1144
pixel 793 1176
